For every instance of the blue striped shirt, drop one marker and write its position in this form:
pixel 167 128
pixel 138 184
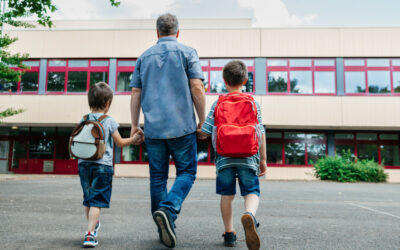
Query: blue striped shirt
pixel 221 162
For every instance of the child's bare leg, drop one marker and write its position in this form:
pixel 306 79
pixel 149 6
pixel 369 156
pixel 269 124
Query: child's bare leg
pixel 94 214
pixel 87 212
pixel 226 212
pixel 251 203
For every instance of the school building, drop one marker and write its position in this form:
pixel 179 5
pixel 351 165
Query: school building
pixel 321 91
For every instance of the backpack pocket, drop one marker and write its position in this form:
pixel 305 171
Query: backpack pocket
pixel 237 141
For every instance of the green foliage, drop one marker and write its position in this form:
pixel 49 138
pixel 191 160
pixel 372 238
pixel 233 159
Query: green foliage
pixel 347 168
pixel 9 112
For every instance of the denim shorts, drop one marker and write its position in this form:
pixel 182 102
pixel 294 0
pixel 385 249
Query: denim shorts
pixel 248 181
pixel 96 181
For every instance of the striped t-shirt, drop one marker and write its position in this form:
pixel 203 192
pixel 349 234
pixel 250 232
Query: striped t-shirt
pixel 221 162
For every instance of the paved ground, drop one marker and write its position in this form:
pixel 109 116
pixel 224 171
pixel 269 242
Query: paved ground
pixel 47 214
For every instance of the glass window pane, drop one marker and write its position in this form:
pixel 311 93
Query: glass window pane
pixel 277 62
pixel 392 137
pixel 77 81
pixel 379 82
pixel 315 152
pixel 319 136
pixel 4 150
pixel 355 82
pixel 55 81
pixel 212 154
pixel 324 82
pixel 205 82
pixel 249 86
pixel 8 87
pixel 19 131
pixel 127 63
pixel 277 81
pixel 202 151
pixel 64 131
pixel 145 156
pixel 217 83
pixel 62 151
pixel 57 63
pixel 274 153
pixel 204 63
pixel 367 136
pixel 341 149
pixel 41 149
pixel 78 63
pixel 30 82
pixel 301 82
pixel 96 77
pixel 354 62
pixel 378 63
pixel 295 153
pixel 130 153
pixel 20 150
pixel 367 152
pixel 396 82
pixel 344 136
pixel 124 79
pixel 40 131
pixel 390 155
pixel 31 63
pixel 324 62
pixel 300 62
pixel 97 63
pixel 294 135
pixel 274 134
pixel 396 62
pixel 219 62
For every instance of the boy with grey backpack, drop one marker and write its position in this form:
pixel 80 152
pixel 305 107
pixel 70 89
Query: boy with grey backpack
pixel 92 142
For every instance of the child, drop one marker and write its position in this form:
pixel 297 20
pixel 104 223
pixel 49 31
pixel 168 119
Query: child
pixel 96 176
pixel 247 169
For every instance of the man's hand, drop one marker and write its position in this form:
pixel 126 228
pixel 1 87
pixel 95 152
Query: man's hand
pixel 201 135
pixel 135 131
pixel 263 168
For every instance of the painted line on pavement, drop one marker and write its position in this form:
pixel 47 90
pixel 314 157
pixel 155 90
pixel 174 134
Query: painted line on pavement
pixel 374 210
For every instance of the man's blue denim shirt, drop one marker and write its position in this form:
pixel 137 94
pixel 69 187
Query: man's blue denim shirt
pixel 163 72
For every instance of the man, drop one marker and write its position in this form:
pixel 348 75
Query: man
pixel 167 81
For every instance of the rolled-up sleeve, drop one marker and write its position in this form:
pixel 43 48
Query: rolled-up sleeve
pixel 136 82
pixel 194 66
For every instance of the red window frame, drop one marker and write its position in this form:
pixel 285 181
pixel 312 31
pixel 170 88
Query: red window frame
pixel 365 70
pixel 31 69
pixel 209 68
pixel 65 69
pixel 129 69
pixel 306 141
pixel 354 142
pixel 313 68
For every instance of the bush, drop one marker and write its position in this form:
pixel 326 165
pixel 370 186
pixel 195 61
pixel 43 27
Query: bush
pixel 347 168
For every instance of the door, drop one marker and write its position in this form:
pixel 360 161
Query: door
pixel 4 154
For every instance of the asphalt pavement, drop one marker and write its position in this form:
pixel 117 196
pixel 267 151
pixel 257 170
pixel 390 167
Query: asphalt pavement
pixel 47 213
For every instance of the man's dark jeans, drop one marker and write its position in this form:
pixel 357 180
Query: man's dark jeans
pixel 184 152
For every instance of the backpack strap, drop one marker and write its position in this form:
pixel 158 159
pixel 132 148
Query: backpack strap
pixel 101 118
pixel 85 117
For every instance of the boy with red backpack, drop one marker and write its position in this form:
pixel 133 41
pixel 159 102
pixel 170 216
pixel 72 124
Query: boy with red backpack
pixel 239 139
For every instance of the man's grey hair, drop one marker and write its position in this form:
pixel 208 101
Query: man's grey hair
pixel 167 24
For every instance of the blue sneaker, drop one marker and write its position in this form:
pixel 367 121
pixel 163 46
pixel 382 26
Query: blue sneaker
pixel 96 229
pixel 165 227
pixel 250 226
pixel 90 240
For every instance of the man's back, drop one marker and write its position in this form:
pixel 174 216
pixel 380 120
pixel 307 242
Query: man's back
pixel 163 73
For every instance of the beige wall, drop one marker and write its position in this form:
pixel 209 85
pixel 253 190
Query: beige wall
pixel 240 42
pixel 302 112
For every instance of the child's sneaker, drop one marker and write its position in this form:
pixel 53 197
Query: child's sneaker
pixel 96 229
pixel 250 226
pixel 229 239
pixel 90 240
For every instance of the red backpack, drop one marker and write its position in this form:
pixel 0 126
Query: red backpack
pixel 237 128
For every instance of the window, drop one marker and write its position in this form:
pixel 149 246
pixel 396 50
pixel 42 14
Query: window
pixel 373 76
pixel 75 76
pixel 214 83
pixel 28 83
pixel 125 70
pixel 380 147
pixel 295 148
pixel 301 76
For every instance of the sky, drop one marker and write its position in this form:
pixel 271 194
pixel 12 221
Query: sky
pixel 264 13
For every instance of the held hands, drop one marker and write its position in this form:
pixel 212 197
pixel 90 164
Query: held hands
pixel 137 135
pixel 200 134
pixel 263 168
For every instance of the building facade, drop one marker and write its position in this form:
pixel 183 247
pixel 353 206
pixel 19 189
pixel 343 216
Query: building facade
pixel 321 91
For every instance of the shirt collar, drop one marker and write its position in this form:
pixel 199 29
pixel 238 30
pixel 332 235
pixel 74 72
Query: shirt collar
pixel 166 39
